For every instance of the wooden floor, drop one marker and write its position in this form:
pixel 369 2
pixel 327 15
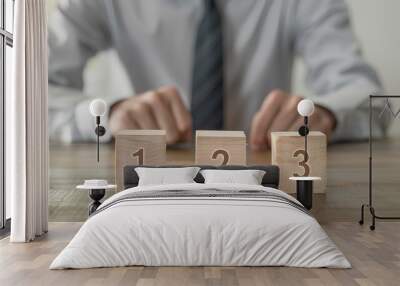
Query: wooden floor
pixel 375 256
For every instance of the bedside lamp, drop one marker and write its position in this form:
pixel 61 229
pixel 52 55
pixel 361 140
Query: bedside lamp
pixel 98 108
pixel 305 108
pixel 304 184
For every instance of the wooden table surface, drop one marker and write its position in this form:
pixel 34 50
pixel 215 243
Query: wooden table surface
pixel 347 184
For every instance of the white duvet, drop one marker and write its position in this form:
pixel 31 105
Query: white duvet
pixel 200 231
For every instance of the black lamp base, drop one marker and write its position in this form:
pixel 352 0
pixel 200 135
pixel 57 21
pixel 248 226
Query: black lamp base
pixel 96 195
pixel 304 192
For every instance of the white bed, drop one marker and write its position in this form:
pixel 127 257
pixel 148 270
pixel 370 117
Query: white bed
pixel 206 230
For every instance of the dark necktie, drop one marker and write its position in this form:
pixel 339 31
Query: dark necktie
pixel 207 87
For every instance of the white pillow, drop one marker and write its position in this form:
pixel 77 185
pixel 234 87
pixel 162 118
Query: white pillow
pixel 248 177
pixel 165 176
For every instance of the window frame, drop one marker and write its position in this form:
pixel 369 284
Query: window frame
pixel 6 39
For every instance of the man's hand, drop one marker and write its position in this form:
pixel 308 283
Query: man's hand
pixel 279 113
pixel 159 109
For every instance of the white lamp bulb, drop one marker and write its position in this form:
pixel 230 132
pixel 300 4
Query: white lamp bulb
pixel 305 107
pixel 98 107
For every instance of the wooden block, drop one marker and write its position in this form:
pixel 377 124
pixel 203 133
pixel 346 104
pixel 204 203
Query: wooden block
pixel 287 151
pixel 138 147
pixel 220 148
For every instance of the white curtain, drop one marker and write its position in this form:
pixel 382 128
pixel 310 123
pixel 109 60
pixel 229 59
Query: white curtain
pixel 26 123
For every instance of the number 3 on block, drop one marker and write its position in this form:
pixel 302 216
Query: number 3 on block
pixel 303 163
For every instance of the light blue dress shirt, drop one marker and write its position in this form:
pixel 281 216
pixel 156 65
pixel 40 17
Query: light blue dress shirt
pixel 155 41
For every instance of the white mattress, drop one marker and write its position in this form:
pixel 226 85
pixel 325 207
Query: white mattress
pixel 200 231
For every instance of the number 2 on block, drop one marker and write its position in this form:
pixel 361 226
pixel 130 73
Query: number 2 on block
pixel 140 155
pixel 302 163
pixel 224 155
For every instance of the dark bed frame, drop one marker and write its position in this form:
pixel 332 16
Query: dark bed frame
pixel 270 179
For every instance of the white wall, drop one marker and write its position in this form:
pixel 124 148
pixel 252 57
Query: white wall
pixel 377 27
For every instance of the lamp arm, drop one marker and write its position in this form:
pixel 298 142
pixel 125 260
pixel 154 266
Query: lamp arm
pixel 98 137
pixel 305 137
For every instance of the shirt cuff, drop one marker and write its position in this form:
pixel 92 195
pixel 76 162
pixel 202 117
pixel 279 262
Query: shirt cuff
pixel 351 111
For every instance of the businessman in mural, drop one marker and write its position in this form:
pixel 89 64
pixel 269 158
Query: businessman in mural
pixel 211 64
